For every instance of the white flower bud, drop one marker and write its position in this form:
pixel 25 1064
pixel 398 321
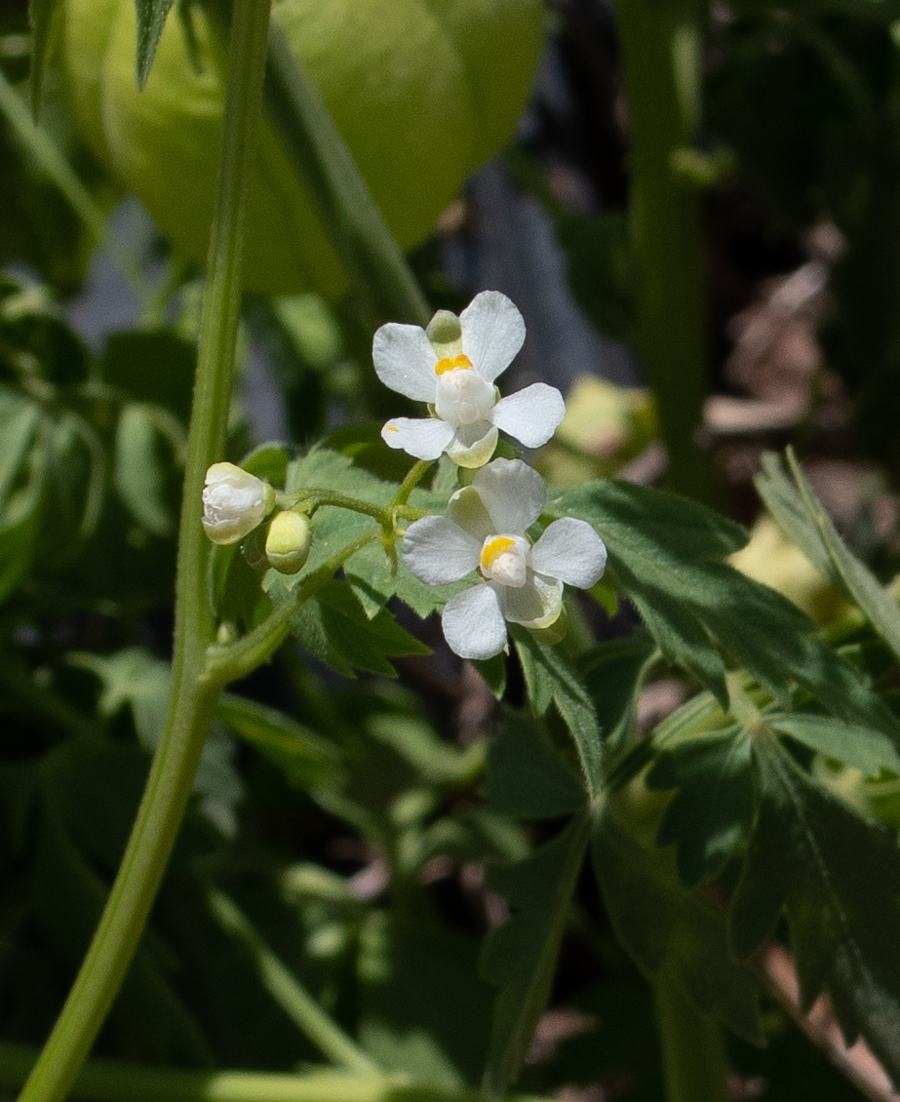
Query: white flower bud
pixel 288 540
pixel 234 503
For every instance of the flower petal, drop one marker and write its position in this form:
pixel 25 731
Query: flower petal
pixel 492 333
pixel 438 551
pixel 570 550
pixel 466 509
pixel 473 445
pixel 423 437
pixel 404 360
pixel 513 493
pixel 531 415
pixel 473 623
pixel 537 604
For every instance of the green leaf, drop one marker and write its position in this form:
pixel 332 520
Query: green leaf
pixel 422 1008
pixel 612 674
pixel 44 17
pixel 19 419
pixel 665 927
pixel 139 477
pixel 334 628
pixel 151 19
pixel 837 879
pixel 526 776
pixel 520 956
pixel 713 808
pixel 304 757
pixel 661 549
pixel 865 749
pixel 549 678
pixel 800 515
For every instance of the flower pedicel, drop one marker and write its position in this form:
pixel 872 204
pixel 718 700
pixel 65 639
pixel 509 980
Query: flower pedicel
pixel 484 531
pixel 452 366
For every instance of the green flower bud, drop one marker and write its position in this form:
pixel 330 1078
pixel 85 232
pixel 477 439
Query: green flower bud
pixel 234 503
pixel 287 544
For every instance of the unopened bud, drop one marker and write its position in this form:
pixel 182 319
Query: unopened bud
pixel 234 503
pixel 287 544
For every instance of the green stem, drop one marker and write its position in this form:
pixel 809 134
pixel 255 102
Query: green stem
pixel 352 218
pixel 116 1081
pixel 660 44
pixel 231 661
pixel 290 994
pixel 45 152
pixel 414 476
pixel 693 1054
pixel 194 695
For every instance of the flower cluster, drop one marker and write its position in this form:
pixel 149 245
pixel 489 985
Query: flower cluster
pixel 489 529
pixel 452 366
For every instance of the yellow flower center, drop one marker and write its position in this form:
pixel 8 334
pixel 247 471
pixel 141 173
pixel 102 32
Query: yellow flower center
pixel 496 547
pixel 451 363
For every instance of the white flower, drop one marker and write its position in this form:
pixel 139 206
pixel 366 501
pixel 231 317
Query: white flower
pixel 234 503
pixel 452 365
pixel 484 530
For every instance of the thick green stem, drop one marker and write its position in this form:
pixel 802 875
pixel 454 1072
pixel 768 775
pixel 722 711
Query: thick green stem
pixel 660 44
pixel 194 694
pixel 693 1054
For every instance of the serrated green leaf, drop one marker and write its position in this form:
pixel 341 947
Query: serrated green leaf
pixel 138 474
pixel 713 808
pixel 612 674
pixel 151 20
pixel 334 628
pixel 837 879
pixel 549 678
pixel 667 928
pixel 526 776
pixel 44 16
pixel 520 956
pixel 865 749
pixel 799 513
pixel 661 549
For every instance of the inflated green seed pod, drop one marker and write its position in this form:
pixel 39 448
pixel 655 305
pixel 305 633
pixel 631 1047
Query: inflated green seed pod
pixel 422 92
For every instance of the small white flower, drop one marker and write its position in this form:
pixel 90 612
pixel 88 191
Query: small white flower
pixel 234 503
pixel 452 366
pixel 484 530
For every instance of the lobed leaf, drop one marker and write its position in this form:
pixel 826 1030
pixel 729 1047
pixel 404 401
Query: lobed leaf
pixel 800 515
pixel 520 956
pixel 334 628
pixel 667 928
pixel 550 679
pixel 836 877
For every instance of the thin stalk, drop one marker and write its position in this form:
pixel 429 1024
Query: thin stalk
pixel 354 222
pixel 693 1053
pixel 194 695
pixel 289 993
pixel 116 1081
pixel 46 153
pixel 660 46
